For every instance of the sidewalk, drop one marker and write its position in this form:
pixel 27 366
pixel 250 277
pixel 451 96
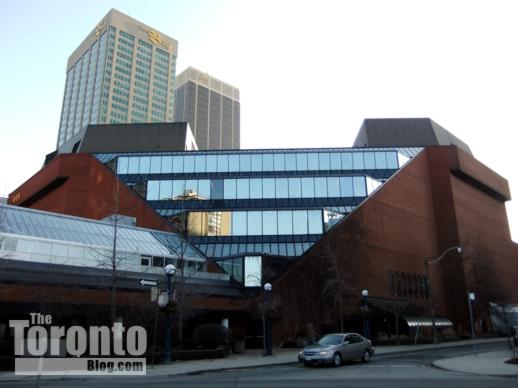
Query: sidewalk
pixel 253 359
pixel 489 364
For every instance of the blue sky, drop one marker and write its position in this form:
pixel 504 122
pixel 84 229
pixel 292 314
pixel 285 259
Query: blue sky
pixel 303 68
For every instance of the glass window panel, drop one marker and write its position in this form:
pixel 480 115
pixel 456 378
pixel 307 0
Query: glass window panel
pixel 358 161
pixel 392 160
pixel 239 223
pixel 122 165
pixel 230 189
pixel 257 162
pixel 320 187
pixel 233 163
pixel 177 164
pixel 268 188
pixel 281 187
pixel 178 188
pixel 323 161
pixel 347 161
pixel 290 250
pixel 278 162
pixel 285 222
pixel 256 188
pixel 216 189
pixel 210 250
pixel 291 162
pixel 336 161
pixel 333 187
pixel 133 165
pixel 204 188
pixel 315 221
pixel 359 186
pixel 255 226
pixel 300 222
pixel 298 249
pixel 144 165
pixel 217 250
pixel 253 271
pixel 199 163
pixel 313 161
pixel 346 186
pixel 153 188
pixel 294 189
pixel 226 250
pixel 244 162
pixel 381 161
pixel 274 249
pixel 191 186
pixel 269 223
pixel 268 162
pixel 308 188
pixel 188 163
pixel 156 165
pixel 167 164
pixel 282 249
pixel 302 162
pixel 243 189
pixel 368 158
pixel 212 163
pixel 234 249
pixel 166 189
pixel 222 163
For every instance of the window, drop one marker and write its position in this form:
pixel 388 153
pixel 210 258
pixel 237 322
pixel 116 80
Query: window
pixel 323 161
pixel 153 190
pixel 278 162
pixel 156 164
pixel 358 161
pixel 294 189
pixel 269 223
pixel 314 221
pixel 285 222
pixel 244 163
pixel 212 163
pixel 320 187
pixel 268 162
pixel 281 187
pixel 381 161
pixel 268 188
pixel 392 160
pixel 188 163
pixel 336 162
pixel 308 188
pixel 222 163
pixel 257 162
pixel 256 186
pixel 243 189
pixel 199 164
pixel 333 187
pixel 166 189
pixel 133 165
pixel 346 186
pixel 239 223
pixel 291 162
pixel 369 162
pixel 233 163
pixel 313 161
pixel 359 186
pixel 254 223
pixel 302 162
pixel 230 189
pixel 177 164
pixel 122 165
pixel 347 161
pixel 300 222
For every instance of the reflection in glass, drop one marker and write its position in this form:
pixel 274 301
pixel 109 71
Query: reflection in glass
pixel 302 162
pixel 347 161
pixel 281 187
pixel 268 162
pixel 256 188
pixel 199 163
pixel 291 162
pixel 333 187
pixel 204 188
pixel 230 188
pixel 269 223
pixel 278 162
pixel 253 271
pixel 315 221
pixel 152 190
pixel 313 161
pixel 177 164
pixel 178 188
pixel 358 161
pixel 368 158
pixel 285 222
pixel 243 189
pixel 257 162
pixel 188 163
pixel 300 222
pixel 167 164
pixel 156 164
pixel 166 189
pixel 212 163
pixel 320 187
pixel 233 163
pixel 244 162
pixel 323 161
pixel 254 223
pixel 144 165
pixel 381 161
pixel 222 163
pixel 336 162
pixel 359 186
pixel 346 186
pixel 239 223
pixel 268 188
pixel 122 165
pixel 294 189
pixel 216 189
pixel 308 188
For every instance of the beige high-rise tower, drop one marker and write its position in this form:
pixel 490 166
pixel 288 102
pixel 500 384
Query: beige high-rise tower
pixel 123 72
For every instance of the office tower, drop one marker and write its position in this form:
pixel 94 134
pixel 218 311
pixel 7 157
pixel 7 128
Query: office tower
pixel 123 72
pixel 211 107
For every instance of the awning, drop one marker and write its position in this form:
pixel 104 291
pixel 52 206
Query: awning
pixel 427 322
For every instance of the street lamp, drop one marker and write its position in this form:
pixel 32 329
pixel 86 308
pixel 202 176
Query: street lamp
pixel 170 271
pixel 471 299
pixel 267 323
pixel 365 298
pixel 429 284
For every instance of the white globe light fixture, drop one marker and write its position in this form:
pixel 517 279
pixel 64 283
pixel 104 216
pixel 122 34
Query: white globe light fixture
pixel 267 287
pixel 170 269
pixel 365 293
pixel 459 249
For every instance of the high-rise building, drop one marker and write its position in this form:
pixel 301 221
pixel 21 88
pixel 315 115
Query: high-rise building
pixel 123 72
pixel 211 107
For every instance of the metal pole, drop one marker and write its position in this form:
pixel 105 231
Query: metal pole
pixel 167 333
pixel 397 328
pixel 430 302
pixel 470 297
pixel 267 324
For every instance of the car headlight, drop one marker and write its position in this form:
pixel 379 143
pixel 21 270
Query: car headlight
pixel 324 353
pixel 300 353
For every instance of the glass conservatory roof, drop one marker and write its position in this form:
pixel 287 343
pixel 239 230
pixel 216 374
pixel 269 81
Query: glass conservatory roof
pixel 16 220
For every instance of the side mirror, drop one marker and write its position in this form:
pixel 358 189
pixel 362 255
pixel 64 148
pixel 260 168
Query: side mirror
pixel 346 342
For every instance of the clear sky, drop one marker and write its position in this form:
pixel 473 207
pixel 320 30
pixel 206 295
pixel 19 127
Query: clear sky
pixel 309 72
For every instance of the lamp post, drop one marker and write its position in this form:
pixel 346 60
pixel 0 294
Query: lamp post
pixel 267 324
pixel 471 299
pixel 170 271
pixel 365 298
pixel 429 285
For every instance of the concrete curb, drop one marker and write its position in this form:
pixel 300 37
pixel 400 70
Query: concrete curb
pixel 471 373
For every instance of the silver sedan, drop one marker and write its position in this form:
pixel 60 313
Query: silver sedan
pixel 336 348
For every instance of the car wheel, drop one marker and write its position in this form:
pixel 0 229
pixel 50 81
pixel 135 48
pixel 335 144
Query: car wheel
pixel 366 356
pixel 307 364
pixel 337 359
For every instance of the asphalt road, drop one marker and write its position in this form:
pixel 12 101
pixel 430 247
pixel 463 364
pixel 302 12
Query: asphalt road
pixel 397 370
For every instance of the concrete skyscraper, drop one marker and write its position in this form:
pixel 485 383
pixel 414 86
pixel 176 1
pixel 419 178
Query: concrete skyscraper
pixel 123 72
pixel 211 107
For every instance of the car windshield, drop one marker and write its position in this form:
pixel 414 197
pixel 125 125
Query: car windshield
pixel 334 339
